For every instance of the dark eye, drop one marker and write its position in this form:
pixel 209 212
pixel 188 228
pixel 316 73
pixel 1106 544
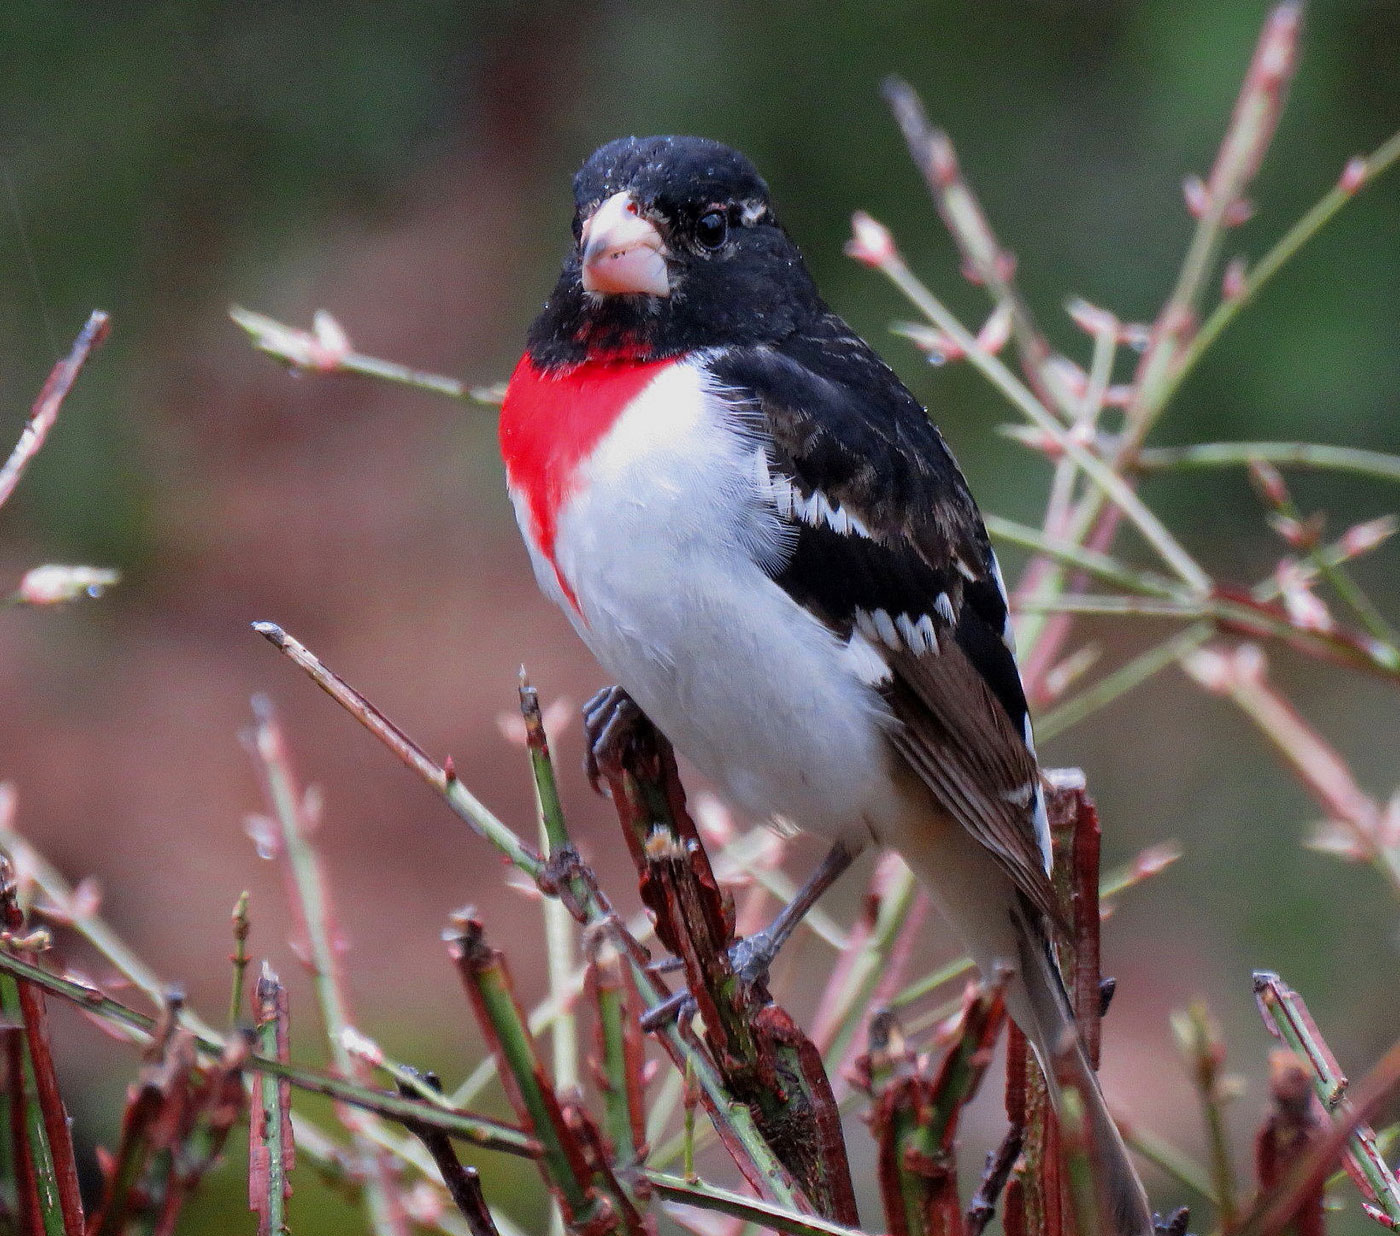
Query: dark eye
pixel 711 229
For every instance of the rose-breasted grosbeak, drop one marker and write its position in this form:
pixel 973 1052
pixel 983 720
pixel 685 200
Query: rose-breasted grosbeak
pixel 759 532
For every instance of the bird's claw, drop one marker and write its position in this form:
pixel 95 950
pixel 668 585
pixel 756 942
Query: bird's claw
pixel 752 955
pixel 608 721
pixel 749 958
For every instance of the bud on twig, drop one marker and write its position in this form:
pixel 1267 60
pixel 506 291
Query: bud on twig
pixel 871 242
pixel 1354 175
pixel 55 584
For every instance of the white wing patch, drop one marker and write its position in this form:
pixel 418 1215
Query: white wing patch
pixel 903 634
pixel 1008 636
pixel 865 661
pixel 919 636
pixel 816 510
pixel 1042 827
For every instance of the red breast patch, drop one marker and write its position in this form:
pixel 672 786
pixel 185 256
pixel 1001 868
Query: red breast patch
pixel 550 423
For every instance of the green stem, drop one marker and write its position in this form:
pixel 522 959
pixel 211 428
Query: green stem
pixel 312 893
pixel 558 922
pixel 26 1093
pixel 1122 680
pixel 866 972
pixel 1168 1159
pixel 97 932
pixel 272 1097
pixel 1288 1017
pixel 465 804
pixel 1109 483
pixel 478 1130
pixel 484 976
pixel 1352 459
pixel 1312 222
pixel 241 927
pixel 1199 1042
pixel 311 351
pixel 1099 565
pixel 768 1217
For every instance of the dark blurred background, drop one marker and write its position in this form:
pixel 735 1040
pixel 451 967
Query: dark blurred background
pixel 406 167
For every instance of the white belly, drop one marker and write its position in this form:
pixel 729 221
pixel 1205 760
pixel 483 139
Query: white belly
pixel 663 543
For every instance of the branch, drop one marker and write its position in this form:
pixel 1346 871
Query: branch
pixel 271 1148
pixel 1288 1019
pixel 1351 459
pixel 46 407
pixel 310 897
pixel 465 1126
pixel 326 349
pixel 1270 1213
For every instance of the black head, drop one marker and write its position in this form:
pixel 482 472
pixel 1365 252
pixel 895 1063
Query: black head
pixel 675 248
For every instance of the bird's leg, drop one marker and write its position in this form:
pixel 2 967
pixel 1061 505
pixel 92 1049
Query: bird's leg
pixel 608 720
pixel 752 955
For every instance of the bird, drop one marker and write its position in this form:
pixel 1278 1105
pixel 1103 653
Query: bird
pixel 761 535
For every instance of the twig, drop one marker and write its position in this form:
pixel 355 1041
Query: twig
pixel 46 407
pixel 36 1184
pixel 465 1126
pixel 326 1155
pixel 1270 1213
pixel 1076 1144
pixel 892 892
pixel 983 1206
pixel 88 924
pixel 914 1118
pixel 1221 206
pixel 1109 482
pixel 585 1204
pixel 1150 862
pixel 310 896
pixel 733 1121
pixel 271 1150
pixel 766 1062
pixel 769 1217
pixel 1240 675
pixel 1198 1038
pixel 620 1052
pixel 1358 173
pixel 49 1134
pixel 162 1089
pixel 239 958
pixel 1122 680
pixel 1350 459
pixel 1294 1123
pixel 1165 1156
pixel 558 921
pixel 984 259
pixel 1244 616
pixel 1287 1017
pixel 463 1183
pixel 326 349
pixel 443 780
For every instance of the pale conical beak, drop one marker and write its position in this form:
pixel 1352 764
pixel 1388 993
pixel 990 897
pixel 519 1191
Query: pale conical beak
pixel 623 252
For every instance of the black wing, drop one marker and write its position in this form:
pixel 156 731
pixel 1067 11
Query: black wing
pixel 889 542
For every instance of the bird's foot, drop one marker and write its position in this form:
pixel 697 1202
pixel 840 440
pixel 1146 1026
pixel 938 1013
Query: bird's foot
pixel 752 956
pixel 749 959
pixel 608 722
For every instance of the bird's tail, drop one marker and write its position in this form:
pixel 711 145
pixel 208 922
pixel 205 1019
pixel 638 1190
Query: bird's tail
pixel 1041 1007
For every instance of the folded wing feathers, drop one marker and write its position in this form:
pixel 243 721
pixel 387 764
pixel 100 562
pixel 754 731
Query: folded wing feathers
pixel 891 552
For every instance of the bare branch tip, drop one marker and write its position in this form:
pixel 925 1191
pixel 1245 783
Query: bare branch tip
pixel 271 632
